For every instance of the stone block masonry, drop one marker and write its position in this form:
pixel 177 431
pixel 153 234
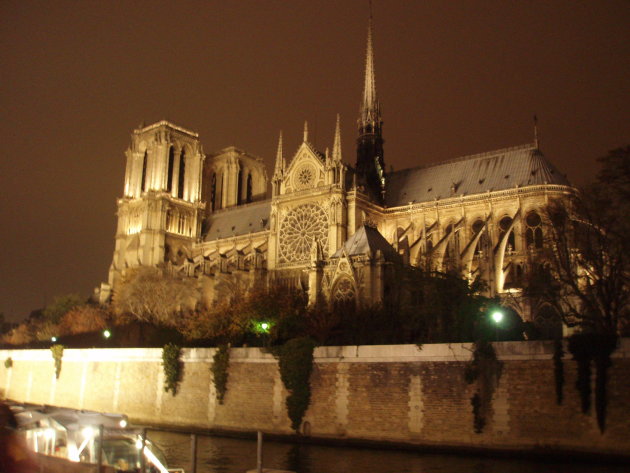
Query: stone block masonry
pixel 394 393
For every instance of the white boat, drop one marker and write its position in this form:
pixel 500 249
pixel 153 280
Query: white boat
pixel 88 437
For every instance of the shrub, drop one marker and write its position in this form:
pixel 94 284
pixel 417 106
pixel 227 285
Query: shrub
pixel 172 367
pixel 220 365
pixel 83 319
pixel 57 354
pixel 295 360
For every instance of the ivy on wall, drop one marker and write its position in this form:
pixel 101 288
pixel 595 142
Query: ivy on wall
pixel 587 348
pixel 8 363
pixel 57 354
pixel 220 365
pixel 172 367
pixel 295 360
pixel 485 370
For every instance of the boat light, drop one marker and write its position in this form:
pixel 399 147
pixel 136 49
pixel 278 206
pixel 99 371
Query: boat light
pixel 153 459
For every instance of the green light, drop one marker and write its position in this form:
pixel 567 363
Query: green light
pixel 107 333
pixel 261 327
pixel 497 316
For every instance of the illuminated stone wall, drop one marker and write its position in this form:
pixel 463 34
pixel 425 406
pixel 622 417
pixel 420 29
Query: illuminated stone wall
pixel 383 393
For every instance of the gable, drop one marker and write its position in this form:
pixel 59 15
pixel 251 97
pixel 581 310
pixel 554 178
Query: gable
pixel 306 170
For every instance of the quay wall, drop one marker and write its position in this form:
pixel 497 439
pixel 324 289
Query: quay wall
pixel 394 393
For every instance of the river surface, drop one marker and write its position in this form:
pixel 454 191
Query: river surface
pixel 229 455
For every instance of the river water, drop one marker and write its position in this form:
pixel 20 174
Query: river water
pixel 229 455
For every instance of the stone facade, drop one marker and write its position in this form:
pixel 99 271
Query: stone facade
pixel 399 394
pixel 333 229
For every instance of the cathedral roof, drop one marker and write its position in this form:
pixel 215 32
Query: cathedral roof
pixel 367 240
pixel 240 220
pixel 492 171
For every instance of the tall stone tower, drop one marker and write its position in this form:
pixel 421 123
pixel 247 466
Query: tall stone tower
pixel 159 216
pixel 370 165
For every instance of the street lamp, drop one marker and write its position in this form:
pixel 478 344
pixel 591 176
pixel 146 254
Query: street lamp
pixel 497 317
pixel 107 333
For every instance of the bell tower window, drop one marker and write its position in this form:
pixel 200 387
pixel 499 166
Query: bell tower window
pixel 239 191
pixel 143 182
pixel 171 163
pixel 182 173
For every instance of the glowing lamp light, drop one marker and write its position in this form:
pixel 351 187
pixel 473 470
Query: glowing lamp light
pixel 53 339
pixel 497 316
pixel 122 423
pixel 107 333
pixel 261 327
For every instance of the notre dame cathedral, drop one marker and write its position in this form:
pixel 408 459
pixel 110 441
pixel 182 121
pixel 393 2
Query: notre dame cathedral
pixel 337 230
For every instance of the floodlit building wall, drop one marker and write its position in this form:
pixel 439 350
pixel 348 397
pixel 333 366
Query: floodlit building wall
pixel 399 394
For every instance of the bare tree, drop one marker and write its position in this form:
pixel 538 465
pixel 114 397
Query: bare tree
pixel 588 271
pixel 151 295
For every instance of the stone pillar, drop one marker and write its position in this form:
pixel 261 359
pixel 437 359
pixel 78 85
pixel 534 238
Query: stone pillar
pixel 342 388
pixel 416 405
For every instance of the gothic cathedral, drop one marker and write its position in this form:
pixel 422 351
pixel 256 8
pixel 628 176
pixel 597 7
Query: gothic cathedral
pixel 336 230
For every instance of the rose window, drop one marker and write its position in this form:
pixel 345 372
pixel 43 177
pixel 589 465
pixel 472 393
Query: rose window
pixel 304 177
pixel 302 226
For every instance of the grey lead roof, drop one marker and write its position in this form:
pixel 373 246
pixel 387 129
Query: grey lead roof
pixel 493 171
pixel 241 220
pixel 366 240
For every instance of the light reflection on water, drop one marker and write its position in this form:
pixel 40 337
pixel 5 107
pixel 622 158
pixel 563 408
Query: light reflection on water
pixel 229 455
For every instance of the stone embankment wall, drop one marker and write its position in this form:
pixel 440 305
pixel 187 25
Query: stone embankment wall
pixel 379 393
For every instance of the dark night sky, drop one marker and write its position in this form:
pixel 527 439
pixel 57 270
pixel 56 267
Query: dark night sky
pixel 453 77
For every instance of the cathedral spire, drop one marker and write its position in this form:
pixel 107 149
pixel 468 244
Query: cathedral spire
pixel 336 153
pixel 305 131
pixel 370 109
pixel 279 169
pixel 370 167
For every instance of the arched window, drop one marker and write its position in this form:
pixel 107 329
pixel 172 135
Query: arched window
pixel 429 244
pixel 249 188
pixel 171 163
pixel 451 255
pixel 482 244
pixel 182 174
pixel 533 232
pixel 504 226
pixel 343 295
pixel 143 182
pixel 402 243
